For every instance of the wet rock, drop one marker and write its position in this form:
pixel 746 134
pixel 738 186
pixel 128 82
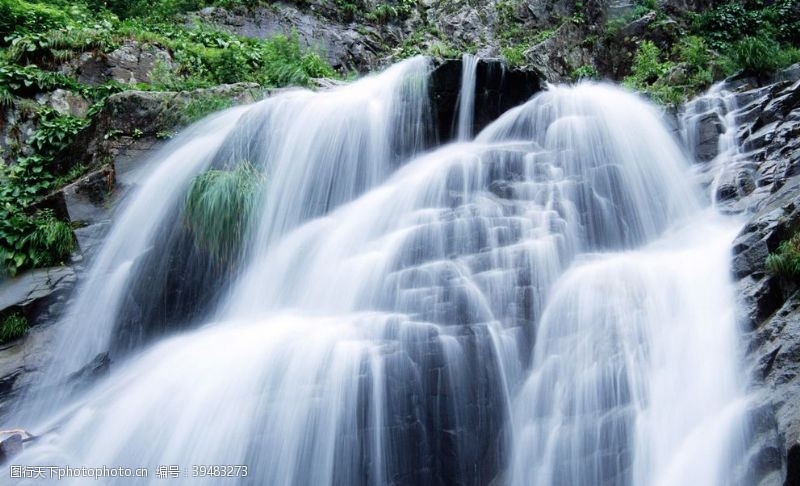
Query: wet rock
pixel 140 120
pixel 41 296
pixel 35 288
pixel 708 127
pixel 497 89
pixel 88 203
pixel 10 447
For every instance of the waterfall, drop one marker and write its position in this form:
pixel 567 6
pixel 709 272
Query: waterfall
pixel 319 149
pixel 466 97
pixel 711 129
pixel 548 303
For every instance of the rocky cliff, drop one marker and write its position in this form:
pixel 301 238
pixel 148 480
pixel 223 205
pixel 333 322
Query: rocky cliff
pixel 746 136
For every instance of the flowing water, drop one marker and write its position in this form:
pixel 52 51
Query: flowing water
pixel 546 304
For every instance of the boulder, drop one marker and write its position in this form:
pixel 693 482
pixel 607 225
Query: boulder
pixel 131 63
pixel 708 128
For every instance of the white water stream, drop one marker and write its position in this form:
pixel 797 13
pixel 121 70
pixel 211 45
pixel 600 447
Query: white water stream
pixel 547 304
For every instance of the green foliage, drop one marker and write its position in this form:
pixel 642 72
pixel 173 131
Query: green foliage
pixel 55 132
pixel 762 55
pixel 385 12
pixel 200 107
pixel 208 57
pixel 671 80
pixel 12 327
pixel 648 73
pixel 29 241
pixel 38 36
pixel 515 55
pixel 727 23
pixel 159 8
pixel 785 261
pixel 59 45
pixel 587 71
pixel 29 80
pixel 219 205
pixel 648 65
pixel 21 16
pixel 755 37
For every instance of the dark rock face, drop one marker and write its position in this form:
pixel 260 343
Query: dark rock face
pixel 40 295
pixel 704 142
pixel 764 180
pixel 497 89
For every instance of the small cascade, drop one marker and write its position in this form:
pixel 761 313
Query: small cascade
pixel 711 131
pixel 466 97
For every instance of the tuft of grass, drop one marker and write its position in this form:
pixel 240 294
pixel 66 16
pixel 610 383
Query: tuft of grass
pixel 759 55
pixel 785 261
pixel 51 241
pixel 218 208
pixel 13 327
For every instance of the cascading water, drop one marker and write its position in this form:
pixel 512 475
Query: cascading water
pixel 546 304
pixel 320 150
pixel 466 97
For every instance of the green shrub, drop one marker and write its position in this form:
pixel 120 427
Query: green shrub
pixel 648 65
pixel 515 55
pixel 728 23
pixel 13 327
pixel 761 55
pixel 648 74
pixel 219 205
pixel 587 71
pixel 785 261
pixel 33 241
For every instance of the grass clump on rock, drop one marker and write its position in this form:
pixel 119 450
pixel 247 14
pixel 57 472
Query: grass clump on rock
pixel 785 261
pixel 13 326
pixel 219 205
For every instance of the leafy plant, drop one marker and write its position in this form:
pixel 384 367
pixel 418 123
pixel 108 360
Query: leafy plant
pixel 13 327
pixel 761 55
pixel 587 71
pixel 218 208
pixel 785 261
pixel 514 56
pixel 32 241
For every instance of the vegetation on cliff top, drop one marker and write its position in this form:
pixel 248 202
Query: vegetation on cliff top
pixel 753 37
pixel 40 42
